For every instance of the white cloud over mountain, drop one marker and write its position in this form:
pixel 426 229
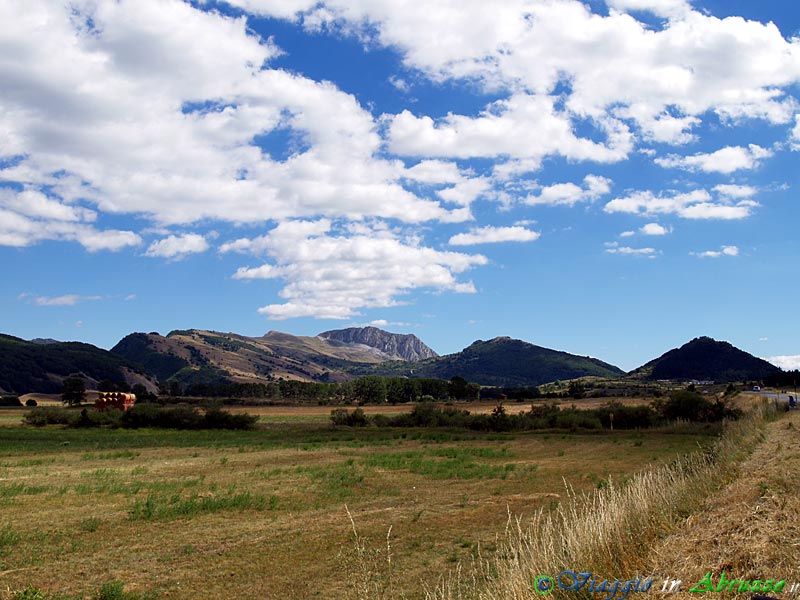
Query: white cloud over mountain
pixel 158 110
pixel 333 276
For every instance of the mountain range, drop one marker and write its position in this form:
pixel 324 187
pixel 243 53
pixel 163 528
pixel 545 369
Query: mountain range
pixel 196 356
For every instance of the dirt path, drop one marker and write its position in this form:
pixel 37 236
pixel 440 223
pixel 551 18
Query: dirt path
pixel 751 528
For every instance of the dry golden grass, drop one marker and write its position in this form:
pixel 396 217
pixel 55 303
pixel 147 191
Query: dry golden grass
pixel 750 529
pixel 611 531
pixel 66 509
pixel 483 407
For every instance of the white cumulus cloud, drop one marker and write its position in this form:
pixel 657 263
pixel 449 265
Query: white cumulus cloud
pixel 787 363
pixel 726 160
pixel 178 246
pixel 334 276
pixel 492 235
pixel 723 251
pixel 697 204
pixel 569 194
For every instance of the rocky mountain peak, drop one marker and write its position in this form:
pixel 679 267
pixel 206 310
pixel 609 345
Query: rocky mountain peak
pixel 398 346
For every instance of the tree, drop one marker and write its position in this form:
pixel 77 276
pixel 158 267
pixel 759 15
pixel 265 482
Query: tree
pixel 400 389
pixel 576 389
pixel 473 392
pixel 73 391
pixel 370 389
pixel 457 388
pixel 142 395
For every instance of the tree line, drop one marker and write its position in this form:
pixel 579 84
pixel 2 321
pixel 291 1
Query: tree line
pixel 369 389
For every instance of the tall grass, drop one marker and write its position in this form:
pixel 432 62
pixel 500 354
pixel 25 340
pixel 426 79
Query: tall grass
pixel 608 531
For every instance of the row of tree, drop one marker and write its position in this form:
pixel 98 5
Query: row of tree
pixel 369 389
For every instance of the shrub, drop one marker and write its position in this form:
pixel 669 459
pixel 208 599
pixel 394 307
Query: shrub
pixel 10 401
pixel 216 418
pixel 142 415
pixel 97 418
pixel 357 418
pixel 627 417
pixel 31 402
pixel 172 417
pixel 51 415
pixel 691 406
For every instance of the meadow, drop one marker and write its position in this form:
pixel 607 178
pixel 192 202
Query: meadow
pixel 267 513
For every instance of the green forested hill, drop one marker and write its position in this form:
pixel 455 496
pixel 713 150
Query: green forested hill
pixel 704 358
pixel 30 367
pixel 503 362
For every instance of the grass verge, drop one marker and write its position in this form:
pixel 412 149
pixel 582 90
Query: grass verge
pixel 609 531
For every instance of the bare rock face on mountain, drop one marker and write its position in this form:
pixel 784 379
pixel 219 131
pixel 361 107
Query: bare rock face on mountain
pixel 394 345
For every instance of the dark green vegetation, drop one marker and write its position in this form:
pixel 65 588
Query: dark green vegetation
pixel 10 400
pixel 683 405
pixel 142 415
pixel 138 348
pixel 73 391
pixel 28 367
pixel 785 379
pixel 707 359
pixel 503 362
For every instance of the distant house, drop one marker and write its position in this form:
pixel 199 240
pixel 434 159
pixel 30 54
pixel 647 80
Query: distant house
pixel 115 400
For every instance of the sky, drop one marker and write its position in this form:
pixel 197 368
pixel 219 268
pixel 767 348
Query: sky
pixel 610 178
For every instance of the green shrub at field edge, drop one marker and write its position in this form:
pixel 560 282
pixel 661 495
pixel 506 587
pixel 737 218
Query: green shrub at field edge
pixel 143 415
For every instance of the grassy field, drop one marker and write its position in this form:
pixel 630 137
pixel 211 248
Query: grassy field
pixel 262 514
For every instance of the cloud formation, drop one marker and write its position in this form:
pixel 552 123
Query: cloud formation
pixel 615 248
pixel 63 300
pixel 787 363
pixel 697 204
pixel 178 246
pixel 723 251
pixel 174 115
pixel 331 275
pixel 493 235
pixel 726 161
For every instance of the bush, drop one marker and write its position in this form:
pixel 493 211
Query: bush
pixel 216 418
pixel 31 402
pixel 142 415
pixel 10 401
pixel 691 406
pixel 341 416
pixel 686 405
pixel 98 418
pixel 51 415
pixel 627 417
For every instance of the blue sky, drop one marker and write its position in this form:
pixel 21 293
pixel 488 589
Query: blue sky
pixel 611 178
